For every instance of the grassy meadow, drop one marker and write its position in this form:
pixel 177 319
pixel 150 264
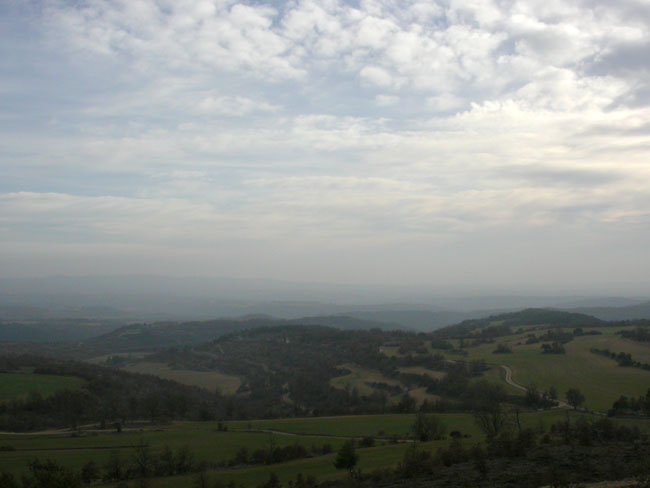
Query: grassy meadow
pixel 213 446
pixel 209 380
pixel 360 377
pixel 16 385
pixel 599 378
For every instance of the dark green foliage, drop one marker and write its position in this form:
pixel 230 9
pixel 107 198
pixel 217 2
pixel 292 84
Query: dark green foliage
pixel 536 399
pixel 90 472
pixel 48 474
pixel 108 396
pixel 428 427
pixel 575 398
pixel 640 334
pixel 597 450
pixel 299 361
pixel 531 339
pixel 631 406
pixel 416 462
pixel 479 457
pixel 492 419
pixel 303 482
pixel 201 480
pixel 453 454
pixel 554 348
pixel 557 336
pixel 272 482
pixel 115 468
pixel 8 481
pixel 623 359
pixel 347 457
pixel 502 349
pixel 367 442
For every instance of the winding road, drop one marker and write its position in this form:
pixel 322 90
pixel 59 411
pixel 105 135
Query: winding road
pixel 511 382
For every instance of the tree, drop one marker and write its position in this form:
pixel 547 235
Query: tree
pixel 428 427
pixel 575 398
pixel 406 404
pixel 167 462
pixel 8 481
pixel 142 460
pixel 416 461
pixel 272 482
pixel 49 474
pixel 201 479
pixel 347 456
pixel 492 419
pixel 114 467
pixel 90 472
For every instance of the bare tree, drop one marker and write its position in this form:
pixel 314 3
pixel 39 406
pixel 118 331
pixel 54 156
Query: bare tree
pixel 492 419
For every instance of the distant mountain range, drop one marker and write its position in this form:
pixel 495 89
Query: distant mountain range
pixel 529 316
pixel 629 312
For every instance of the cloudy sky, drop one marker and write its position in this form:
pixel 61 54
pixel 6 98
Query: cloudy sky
pixel 501 145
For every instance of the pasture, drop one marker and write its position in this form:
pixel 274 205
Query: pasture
pixel 17 385
pixel 208 380
pixel 218 447
pixel 360 378
pixel 600 379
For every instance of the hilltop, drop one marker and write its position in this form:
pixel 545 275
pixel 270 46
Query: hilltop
pixel 529 316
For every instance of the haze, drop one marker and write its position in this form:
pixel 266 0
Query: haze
pixel 484 146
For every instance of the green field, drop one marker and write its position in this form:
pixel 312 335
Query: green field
pixel 357 425
pixel 207 445
pixel 215 447
pixel 360 377
pixel 322 467
pixel 600 379
pixel 16 385
pixel 209 380
pixel 422 371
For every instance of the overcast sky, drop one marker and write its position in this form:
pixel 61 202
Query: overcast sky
pixel 499 145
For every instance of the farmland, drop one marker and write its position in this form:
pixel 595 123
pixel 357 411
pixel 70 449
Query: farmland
pixel 208 380
pixel 600 379
pixel 216 447
pixel 286 399
pixel 17 385
pixel 361 379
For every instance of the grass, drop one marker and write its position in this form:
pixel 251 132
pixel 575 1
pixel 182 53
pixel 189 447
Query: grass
pixel 211 445
pixel 599 378
pixel 129 356
pixel 322 467
pixel 360 377
pixel 357 425
pixel 207 445
pixel 494 375
pixel 17 385
pixel 419 370
pixel 209 380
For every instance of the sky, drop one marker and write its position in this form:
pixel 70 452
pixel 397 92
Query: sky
pixel 494 145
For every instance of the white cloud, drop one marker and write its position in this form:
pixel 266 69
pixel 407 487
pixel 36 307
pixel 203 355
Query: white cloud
pixel 237 106
pixel 386 100
pixel 313 122
pixel 377 76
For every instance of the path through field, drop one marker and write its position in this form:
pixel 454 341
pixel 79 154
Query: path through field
pixel 511 382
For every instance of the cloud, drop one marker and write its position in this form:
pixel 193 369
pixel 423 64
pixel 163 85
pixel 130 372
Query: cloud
pixel 235 106
pixel 272 126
